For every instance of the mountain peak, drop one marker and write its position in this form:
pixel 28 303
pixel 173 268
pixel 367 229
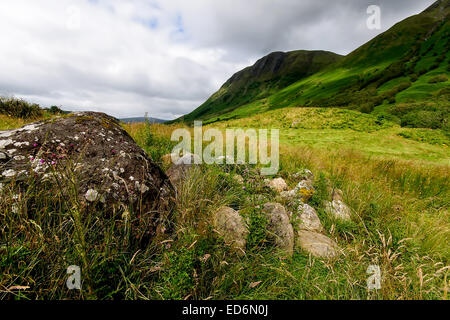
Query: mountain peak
pixel 269 74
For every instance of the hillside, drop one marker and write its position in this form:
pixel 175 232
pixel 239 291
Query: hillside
pixel 267 76
pixel 408 63
pixel 142 119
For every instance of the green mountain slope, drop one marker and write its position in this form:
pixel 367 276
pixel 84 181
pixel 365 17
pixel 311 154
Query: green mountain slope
pixel 268 75
pixel 406 64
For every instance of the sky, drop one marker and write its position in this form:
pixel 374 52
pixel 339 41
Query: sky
pixel 165 57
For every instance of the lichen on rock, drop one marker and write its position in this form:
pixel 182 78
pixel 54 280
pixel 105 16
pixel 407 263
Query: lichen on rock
pixel 100 154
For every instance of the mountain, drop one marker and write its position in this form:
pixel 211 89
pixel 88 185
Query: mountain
pixel 406 64
pixel 268 75
pixel 142 119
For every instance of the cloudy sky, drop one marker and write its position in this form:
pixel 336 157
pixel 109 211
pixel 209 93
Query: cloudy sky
pixel 164 57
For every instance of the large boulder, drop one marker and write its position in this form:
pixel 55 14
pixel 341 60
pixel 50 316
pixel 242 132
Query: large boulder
pixel 111 170
pixel 231 226
pixel 279 227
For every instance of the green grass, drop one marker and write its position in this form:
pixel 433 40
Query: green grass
pixel 400 223
pixel 340 129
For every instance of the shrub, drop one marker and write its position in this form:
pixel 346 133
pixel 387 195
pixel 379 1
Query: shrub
pixel 19 108
pixel 422 119
pixel 56 110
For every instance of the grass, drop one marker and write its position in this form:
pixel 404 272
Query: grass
pixel 328 129
pixel 401 223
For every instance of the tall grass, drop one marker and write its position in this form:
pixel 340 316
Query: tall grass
pixel 400 223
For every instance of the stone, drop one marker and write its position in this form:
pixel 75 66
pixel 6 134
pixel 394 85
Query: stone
pixel 5 143
pixel 9 173
pixel 92 195
pixel 316 244
pixel 337 195
pixel 338 209
pixel 295 123
pixel 279 227
pixel 178 174
pixel 308 219
pixel 288 195
pixel 181 168
pixel 278 184
pixel 304 174
pixel 231 226
pixel 188 159
pixel 101 154
pixel 305 190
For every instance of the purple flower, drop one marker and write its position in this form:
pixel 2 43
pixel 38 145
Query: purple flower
pixel 35 145
pixel 42 160
pixel 53 163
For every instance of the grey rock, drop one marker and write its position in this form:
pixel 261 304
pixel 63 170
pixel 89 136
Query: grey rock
pixel 316 244
pixel 278 184
pixel 279 227
pixel 101 152
pixel 308 219
pixel 338 209
pixel 304 174
pixel 231 226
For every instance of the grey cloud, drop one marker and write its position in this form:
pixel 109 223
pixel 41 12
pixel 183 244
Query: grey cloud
pixel 122 63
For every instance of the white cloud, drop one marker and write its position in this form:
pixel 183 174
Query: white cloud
pixel 163 57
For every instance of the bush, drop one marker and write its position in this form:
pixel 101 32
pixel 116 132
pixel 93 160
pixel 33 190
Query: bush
pixel 422 119
pixel 423 115
pixel 56 110
pixel 19 108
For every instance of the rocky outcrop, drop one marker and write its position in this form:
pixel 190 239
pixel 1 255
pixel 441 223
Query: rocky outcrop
pixel 231 226
pixel 279 227
pixel 304 190
pixel 111 170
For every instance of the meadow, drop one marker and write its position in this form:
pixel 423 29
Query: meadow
pixel 396 186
